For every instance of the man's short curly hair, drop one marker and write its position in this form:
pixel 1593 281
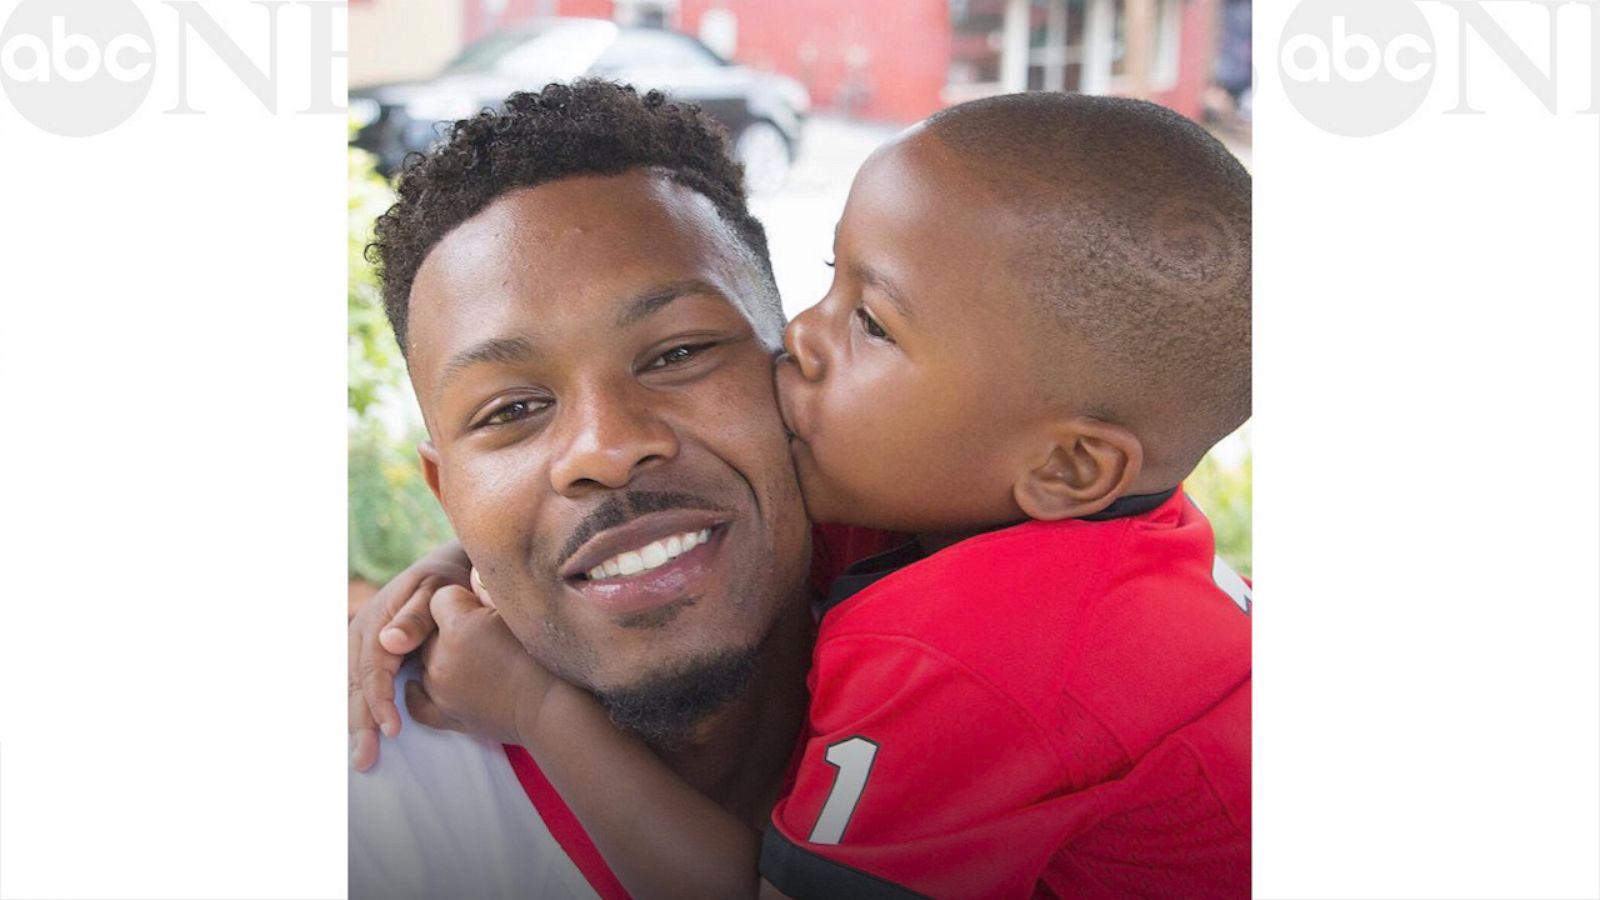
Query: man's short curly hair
pixel 588 127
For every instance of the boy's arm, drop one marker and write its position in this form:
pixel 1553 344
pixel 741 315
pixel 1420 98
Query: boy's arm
pixel 391 624
pixel 661 837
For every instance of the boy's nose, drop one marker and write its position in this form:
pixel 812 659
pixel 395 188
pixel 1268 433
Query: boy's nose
pixel 800 342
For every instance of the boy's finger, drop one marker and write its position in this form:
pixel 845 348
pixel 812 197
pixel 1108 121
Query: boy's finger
pixel 362 716
pixel 364 750
pixel 375 671
pixel 363 732
pixel 479 589
pixel 411 623
pixel 372 667
pixel 451 603
pixel 424 710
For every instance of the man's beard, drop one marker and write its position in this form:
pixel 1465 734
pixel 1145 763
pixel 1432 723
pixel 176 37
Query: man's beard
pixel 663 707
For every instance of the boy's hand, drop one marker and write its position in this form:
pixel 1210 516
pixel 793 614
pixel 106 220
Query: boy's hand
pixel 393 623
pixel 476 676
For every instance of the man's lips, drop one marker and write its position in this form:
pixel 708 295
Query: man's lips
pixel 637 534
pixel 677 580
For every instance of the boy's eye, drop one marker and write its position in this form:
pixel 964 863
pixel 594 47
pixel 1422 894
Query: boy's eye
pixel 828 262
pixel 871 326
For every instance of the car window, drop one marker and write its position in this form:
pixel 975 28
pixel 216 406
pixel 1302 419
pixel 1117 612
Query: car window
pixel 644 49
pixel 558 50
pixel 481 55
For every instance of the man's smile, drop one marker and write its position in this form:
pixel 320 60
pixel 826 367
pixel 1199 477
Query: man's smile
pixel 651 556
pixel 648 562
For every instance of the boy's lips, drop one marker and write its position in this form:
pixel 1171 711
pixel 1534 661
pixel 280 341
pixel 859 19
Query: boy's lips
pixel 787 370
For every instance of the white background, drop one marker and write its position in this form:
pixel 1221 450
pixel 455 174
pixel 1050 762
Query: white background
pixel 1428 491
pixel 1427 509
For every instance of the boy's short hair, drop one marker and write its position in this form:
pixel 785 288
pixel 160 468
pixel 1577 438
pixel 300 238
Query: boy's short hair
pixel 1135 240
pixel 588 127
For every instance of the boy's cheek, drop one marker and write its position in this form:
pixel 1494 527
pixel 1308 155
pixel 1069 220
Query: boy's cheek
pixel 815 498
pixel 830 484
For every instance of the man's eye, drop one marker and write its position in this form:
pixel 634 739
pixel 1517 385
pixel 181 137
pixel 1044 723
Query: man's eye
pixel 871 326
pixel 677 356
pixel 512 412
pixel 829 263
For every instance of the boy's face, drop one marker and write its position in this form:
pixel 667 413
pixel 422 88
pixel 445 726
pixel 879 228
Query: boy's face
pixel 910 387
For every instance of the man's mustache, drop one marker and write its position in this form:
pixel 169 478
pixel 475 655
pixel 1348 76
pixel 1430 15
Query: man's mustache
pixel 618 509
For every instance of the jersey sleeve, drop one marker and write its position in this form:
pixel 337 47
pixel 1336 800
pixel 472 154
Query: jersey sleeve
pixel 918 778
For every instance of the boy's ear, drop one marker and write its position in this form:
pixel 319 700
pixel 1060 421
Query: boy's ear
pixel 1087 466
pixel 429 455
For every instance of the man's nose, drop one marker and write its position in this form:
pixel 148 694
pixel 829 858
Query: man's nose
pixel 802 341
pixel 610 438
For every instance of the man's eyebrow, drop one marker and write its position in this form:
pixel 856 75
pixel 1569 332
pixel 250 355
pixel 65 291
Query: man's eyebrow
pixel 881 281
pixel 507 350
pixel 656 299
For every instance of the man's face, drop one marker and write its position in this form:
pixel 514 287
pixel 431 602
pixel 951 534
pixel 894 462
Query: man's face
pixel 604 435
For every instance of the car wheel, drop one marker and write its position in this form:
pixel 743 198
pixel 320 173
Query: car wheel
pixel 764 152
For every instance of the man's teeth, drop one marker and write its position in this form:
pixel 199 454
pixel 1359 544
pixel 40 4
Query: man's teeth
pixel 651 555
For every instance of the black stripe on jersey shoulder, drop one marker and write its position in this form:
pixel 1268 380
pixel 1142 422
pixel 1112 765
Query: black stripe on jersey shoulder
pixel 862 573
pixel 1134 505
pixel 804 875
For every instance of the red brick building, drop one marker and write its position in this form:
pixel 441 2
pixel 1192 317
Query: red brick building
pixel 899 60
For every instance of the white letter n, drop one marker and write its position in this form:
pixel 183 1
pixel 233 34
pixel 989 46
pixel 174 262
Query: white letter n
pixel 261 82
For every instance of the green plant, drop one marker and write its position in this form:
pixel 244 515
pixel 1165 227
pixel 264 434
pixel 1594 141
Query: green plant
pixel 1222 489
pixel 374 358
pixel 393 517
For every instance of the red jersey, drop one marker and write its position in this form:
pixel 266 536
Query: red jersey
pixel 1057 708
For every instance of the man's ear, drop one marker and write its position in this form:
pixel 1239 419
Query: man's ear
pixel 1087 465
pixel 429 455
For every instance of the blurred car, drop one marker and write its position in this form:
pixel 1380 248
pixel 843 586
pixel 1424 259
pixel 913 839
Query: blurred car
pixel 762 111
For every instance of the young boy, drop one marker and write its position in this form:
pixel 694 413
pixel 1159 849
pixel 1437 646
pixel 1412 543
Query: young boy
pixel 1039 323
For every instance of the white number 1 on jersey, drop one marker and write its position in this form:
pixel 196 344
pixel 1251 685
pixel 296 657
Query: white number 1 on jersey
pixel 853 759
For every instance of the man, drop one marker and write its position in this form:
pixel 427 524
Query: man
pixel 589 317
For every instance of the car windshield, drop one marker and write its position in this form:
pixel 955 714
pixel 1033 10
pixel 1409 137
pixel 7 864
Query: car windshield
pixel 653 49
pixel 557 49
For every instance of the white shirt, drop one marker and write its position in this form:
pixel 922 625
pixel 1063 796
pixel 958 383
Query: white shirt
pixel 442 814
